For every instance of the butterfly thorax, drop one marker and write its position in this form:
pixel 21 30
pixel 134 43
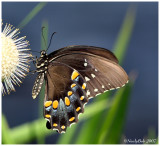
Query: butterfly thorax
pixel 42 62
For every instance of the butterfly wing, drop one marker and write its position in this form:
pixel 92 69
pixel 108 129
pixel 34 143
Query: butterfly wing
pixel 99 69
pixel 74 74
pixel 81 49
pixel 65 96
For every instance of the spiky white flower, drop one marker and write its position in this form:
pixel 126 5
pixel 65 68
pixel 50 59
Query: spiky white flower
pixel 15 58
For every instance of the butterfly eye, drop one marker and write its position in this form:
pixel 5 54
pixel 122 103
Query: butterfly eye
pixel 43 52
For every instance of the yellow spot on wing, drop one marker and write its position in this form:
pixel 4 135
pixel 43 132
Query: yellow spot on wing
pixel 71 119
pixel 73 85
pixel 47 103
pixel 55 104
pixel 75 74
pixel 82 97
pixel 67 101
pixel 70 93
pixel 63 127
pixel 84 86
pixel 78 109
pixel 47 116
pixel 55 125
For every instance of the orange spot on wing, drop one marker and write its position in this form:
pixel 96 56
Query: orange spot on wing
pixel 84 86
pixel 55 104
pixel 75 74
pixel 47 103
pixel 82 97
pixel 73 85
pixel 63 127
pixel 47 116
pixel 55 124
pixel 67 101
pixel 78 109
pixel 70 93
pixel 71 119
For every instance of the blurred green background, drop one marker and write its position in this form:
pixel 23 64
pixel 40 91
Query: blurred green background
pixel 130 30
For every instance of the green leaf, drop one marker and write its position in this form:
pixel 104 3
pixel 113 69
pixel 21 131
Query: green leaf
pixel 6 137
pixel 90 111
pixel 32 14
pixel 27 132
pixel 151 137
pixel 90 127
pixel 125 33
pixel 67 137
pixel 111 130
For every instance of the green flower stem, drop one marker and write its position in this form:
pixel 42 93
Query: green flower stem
pixel 124 35
pixel 114 121
pixel 32 14
pixel 40 139
pixel 27 132
pixel 6 137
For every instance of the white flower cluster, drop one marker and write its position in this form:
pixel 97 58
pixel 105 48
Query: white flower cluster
pixel 15 58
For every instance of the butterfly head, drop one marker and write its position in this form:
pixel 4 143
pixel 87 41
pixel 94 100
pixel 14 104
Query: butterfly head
pixel 43 53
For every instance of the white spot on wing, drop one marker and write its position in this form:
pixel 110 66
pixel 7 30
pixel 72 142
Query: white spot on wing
pixel 123 85
pixel 72 124
pixel 87 79
pixel 85 60
pixel 95 90
pixel 102 86
pixel 105 90
pixel 88 93
pixel 98 94
pixel 90 97
pixel 85 64
pixel 96 70
pixel 93 76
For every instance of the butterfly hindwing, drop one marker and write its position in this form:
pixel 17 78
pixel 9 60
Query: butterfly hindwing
pixel 64 97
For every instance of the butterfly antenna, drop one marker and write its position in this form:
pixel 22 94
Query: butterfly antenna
pixel 50 41
pixel 43 36
pixel 34 51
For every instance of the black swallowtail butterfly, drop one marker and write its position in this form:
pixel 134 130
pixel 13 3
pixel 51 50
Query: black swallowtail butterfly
pixel 72 76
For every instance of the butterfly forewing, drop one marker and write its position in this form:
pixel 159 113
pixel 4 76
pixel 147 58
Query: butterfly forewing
pixel 100 74
pixel 81 49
